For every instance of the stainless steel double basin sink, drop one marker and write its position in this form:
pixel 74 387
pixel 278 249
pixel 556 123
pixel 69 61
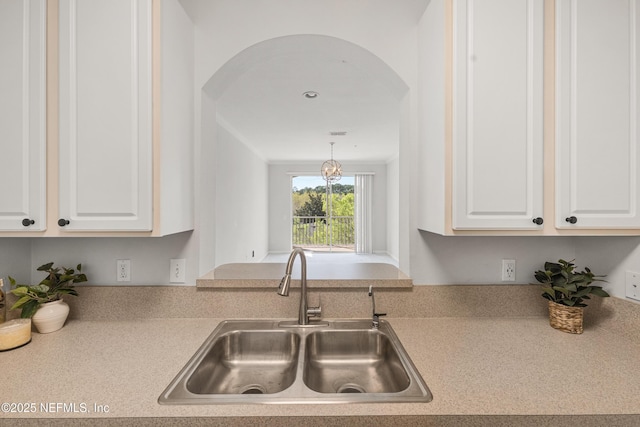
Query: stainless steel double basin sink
pixel 267 361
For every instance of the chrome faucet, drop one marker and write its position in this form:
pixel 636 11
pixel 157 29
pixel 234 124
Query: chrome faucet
pixel 283 289
pixel 376 316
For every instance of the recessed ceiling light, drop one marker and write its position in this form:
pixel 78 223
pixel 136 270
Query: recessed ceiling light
pixel 310 94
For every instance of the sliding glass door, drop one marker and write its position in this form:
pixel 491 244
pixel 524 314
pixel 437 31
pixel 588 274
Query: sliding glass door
pixel 323 215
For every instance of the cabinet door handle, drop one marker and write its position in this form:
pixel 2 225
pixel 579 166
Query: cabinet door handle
pixel 27 222
pixel 62 222
pixel 538 221
pixel 571 220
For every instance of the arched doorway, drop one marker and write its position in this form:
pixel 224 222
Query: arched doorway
pixel 243 104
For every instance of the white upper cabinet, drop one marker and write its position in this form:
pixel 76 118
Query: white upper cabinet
pixel 597 153
pixel 23 115
pixel 497 114
pixel 96 125
pixel 105 117
pixel 482 119
pixel 529 117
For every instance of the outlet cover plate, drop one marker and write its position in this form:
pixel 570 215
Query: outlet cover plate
pixel 177 270
pixel 123 270
pixel 633 285
pixel 508 270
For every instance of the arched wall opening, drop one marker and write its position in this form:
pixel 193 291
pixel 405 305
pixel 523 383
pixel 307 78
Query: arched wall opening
pixel 231 167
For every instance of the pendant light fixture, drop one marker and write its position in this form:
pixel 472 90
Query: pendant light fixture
pixel 331 169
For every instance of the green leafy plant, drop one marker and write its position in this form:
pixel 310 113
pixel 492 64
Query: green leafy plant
pixel 59 281
pixel 563 285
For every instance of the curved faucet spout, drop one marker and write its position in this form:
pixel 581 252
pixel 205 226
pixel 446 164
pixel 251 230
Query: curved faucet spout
pixel 283 289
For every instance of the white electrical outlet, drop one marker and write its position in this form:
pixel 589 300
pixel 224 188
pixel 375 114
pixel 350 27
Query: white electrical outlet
pixel 123 270
pixel 508 270
pixel 177 270
pixel 633 285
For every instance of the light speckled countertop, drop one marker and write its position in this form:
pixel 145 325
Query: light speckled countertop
pixel 473 366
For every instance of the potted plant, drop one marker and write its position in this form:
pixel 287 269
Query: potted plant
pixel 43 302
pixel 567 290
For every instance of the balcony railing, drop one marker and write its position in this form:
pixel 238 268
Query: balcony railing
pixel 322 231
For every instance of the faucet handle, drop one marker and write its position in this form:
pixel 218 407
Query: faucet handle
pixel 314 311
pixel 376 316
pixel 376 319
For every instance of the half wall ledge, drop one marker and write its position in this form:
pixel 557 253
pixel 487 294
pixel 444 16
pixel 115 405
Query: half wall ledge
pixel 268 275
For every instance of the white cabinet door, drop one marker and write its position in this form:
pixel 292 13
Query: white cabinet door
pixel 105 115
pixel 22 115
pixel 498 114
pixel 597 153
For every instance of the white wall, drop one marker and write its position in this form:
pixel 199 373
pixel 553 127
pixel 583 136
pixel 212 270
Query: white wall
pixel 19 257
pixel 280 207
pixel 205 183
pixel 242 212
pixel 431 126
pixel 280 201
pixel 15 260
pixel 177 105
pixel 478 260
pixel 379 204
pixel 393 209
pixel 226 27
pixel 149 257
pixel 613 256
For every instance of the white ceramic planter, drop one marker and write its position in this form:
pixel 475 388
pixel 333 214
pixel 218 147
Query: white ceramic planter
pixel 51 316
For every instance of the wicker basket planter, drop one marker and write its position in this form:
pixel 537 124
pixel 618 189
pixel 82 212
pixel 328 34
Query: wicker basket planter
pixel 565 318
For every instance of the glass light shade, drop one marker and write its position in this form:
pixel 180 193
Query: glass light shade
pixel 331 170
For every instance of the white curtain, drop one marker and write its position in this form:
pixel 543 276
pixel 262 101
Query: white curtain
pixel 363 198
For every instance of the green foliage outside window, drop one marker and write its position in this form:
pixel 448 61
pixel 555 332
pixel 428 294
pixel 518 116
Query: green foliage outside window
pixel 310 223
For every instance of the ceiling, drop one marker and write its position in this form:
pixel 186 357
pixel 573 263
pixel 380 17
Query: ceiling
pixel 265 108
pixel 262 103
